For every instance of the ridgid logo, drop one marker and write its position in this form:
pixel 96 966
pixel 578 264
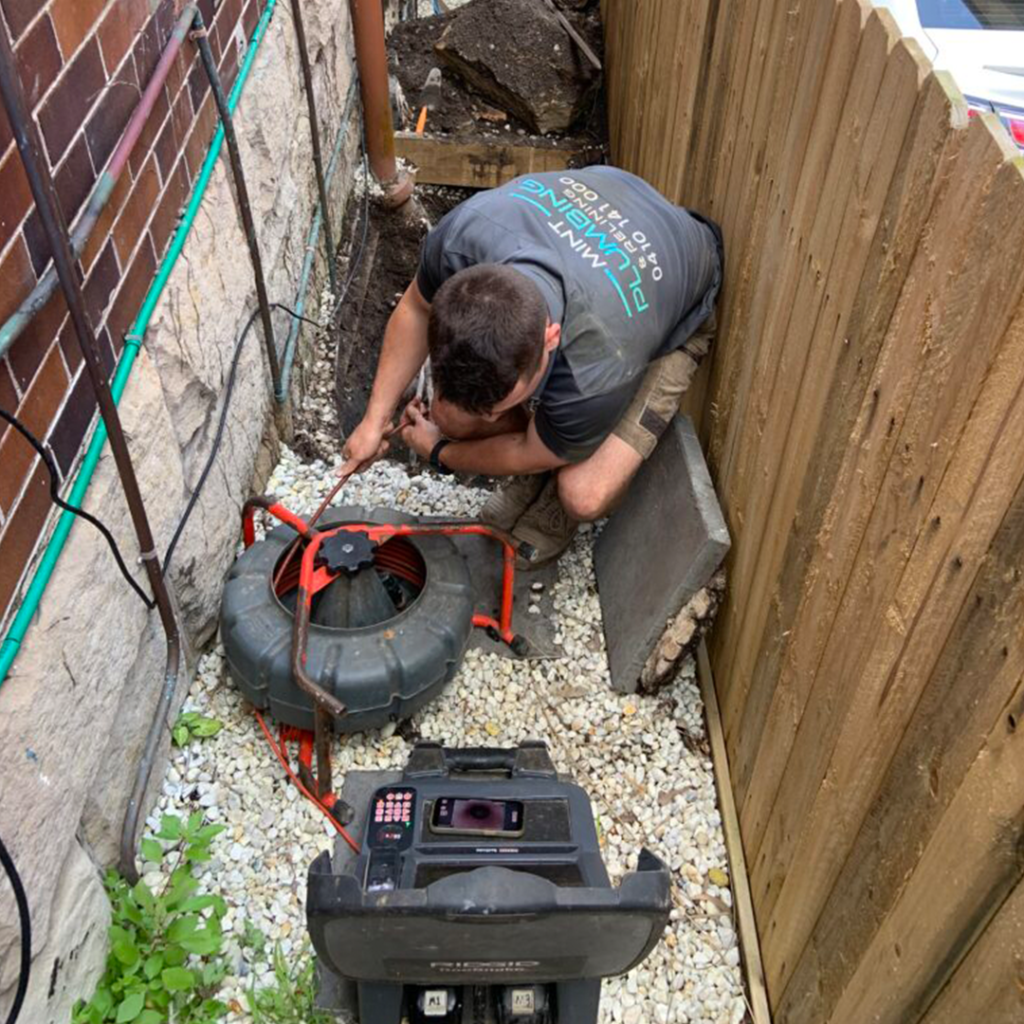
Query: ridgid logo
pixel 485 966
pixel 596 232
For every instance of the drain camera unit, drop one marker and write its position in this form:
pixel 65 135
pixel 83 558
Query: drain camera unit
pixel 477 893
pixel 478 896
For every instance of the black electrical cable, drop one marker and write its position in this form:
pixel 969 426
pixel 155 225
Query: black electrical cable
pixel 229 387
pixel 357 259
pixel 25 921
pixel 55 497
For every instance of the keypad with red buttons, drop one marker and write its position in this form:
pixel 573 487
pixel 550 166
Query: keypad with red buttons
pixel 392 814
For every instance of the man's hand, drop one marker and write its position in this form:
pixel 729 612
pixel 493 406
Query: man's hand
pixel 421 435
pixel 366 443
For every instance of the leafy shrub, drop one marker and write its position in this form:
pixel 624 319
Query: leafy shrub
pixel 165 960
pixel 192 723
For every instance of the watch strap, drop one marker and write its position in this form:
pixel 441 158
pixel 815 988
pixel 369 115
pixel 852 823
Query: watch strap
pixel 435 455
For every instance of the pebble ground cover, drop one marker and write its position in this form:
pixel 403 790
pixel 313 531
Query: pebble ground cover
pixel 644 761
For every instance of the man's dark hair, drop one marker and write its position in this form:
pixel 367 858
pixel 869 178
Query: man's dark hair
pixel 486 330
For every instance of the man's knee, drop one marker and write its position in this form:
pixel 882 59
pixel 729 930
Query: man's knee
pixel 583 496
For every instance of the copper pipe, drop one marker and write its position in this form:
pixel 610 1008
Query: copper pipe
pixel 44 192
pixel 372 61
pixel 104 187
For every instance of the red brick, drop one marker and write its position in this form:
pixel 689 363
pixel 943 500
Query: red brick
pixel 36 412
pixel 180 68
pixel 108 121
pixel 21 533
pixel 174 134
pixel 8 395
pixel 165 219
pixel 66 107
pixel 150 132
pixel 16 279
pixel 66 437
pixel 135 215
pixel 251 17
pixel 39 59
pixel 17 196
pixel 207 8
pixel 75 179
pixel 20 13
pixel 228 14
pixel 134 286
pixel 198 85
pixel 119 28
pixel 229 69
pixel 154 38
pixel 202 135
pixel 100 285
pixel 28 351
pixel 8 390
pixel 101 232
pixel 73 19
pixel 6 135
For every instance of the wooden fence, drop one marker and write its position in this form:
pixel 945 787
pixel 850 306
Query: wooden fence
pixel 864 419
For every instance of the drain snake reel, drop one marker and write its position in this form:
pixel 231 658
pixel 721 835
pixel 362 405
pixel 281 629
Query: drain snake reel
pixel 476 892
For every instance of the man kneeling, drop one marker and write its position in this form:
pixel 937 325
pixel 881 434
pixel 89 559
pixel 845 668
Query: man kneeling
pixel 564 315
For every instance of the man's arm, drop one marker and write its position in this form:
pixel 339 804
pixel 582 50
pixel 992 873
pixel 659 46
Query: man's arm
pixel 504 455
pixel 403 353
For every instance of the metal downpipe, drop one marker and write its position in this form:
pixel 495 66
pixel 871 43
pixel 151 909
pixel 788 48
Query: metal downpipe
pixel 314 133
pixel 372 62
pixel 242 192
pixel 27 136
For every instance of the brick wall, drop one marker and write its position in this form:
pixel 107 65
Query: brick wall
pixel 84 64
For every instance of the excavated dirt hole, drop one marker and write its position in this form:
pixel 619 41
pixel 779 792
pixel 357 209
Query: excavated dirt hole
pixel 390 256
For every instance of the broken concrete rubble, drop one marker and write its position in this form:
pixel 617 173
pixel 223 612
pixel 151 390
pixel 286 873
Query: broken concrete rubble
pixel 518 55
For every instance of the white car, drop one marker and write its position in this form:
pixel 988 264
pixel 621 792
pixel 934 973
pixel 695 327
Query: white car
pixel 981 42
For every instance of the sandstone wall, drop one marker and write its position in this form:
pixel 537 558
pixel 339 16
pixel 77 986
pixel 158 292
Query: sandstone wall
pixel 75 710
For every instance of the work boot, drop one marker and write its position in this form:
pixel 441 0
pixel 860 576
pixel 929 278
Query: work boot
pixel 506 505
pixel 545 527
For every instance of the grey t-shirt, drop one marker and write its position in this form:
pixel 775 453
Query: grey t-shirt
pixel 628 275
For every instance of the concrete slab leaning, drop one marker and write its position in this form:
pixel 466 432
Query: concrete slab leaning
pixel 657 551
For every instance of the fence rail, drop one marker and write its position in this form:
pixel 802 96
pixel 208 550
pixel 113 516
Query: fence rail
pixel 864 421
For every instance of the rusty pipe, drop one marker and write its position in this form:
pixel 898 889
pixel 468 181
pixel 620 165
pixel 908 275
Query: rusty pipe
pixel 37 170
pixel 314 134
pixel 104 187
pixel 372 62
pixel 242 192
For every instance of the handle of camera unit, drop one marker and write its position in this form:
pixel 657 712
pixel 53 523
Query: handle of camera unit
pixel 529 760
pixel 480 759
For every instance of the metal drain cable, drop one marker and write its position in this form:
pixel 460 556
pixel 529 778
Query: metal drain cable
pixel 342 831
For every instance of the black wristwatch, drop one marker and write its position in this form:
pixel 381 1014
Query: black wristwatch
pixel 435 455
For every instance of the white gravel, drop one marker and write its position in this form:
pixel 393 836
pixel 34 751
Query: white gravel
pixel 643 761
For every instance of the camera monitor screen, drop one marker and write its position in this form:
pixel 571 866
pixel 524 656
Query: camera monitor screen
pixel 469 817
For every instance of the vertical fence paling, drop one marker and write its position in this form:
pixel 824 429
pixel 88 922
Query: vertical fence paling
pixel 865 425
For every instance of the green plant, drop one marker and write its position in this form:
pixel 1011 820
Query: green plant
pixel 192 723
pixel 290 999
pixel 164 963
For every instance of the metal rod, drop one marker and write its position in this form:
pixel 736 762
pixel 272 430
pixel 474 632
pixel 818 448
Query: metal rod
pixel 40 180
pixel 314 132
pixel 244 206
pixel 372 61
pixel 104 187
